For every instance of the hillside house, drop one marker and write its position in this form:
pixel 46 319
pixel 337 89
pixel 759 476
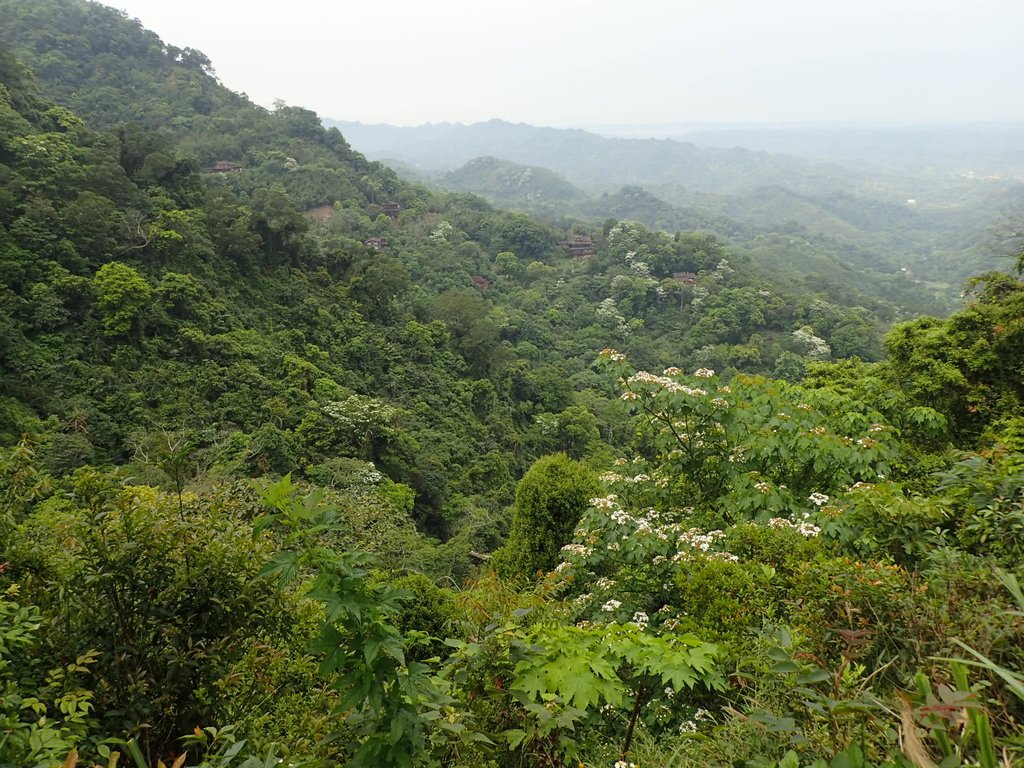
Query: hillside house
pixel 376 243
pixel 391 208
pixel 226 166
pixel 579 246
pixel 686 278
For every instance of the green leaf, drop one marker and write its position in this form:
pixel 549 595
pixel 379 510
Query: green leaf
pixel 514 737
pixel 814 676
pixel 284 565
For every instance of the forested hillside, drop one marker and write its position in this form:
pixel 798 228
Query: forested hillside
pixel 465 311
pixel 915 215
pixel 301 462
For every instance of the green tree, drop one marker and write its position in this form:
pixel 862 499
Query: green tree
pixel 122 294
pixel 550 499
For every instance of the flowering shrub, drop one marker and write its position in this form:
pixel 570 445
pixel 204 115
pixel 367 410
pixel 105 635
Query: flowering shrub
pixel 706 529
pixel 753 449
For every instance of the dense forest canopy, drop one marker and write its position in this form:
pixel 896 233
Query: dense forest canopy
pixel 303 462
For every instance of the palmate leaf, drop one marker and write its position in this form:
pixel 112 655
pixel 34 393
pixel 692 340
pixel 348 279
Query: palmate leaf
pixel 585 666
pixel 514 737
pixel 680 676
pixel 284 566
pixel 575 680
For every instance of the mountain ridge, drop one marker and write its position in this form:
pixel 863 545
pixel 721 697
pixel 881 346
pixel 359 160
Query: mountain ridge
pixel 442 147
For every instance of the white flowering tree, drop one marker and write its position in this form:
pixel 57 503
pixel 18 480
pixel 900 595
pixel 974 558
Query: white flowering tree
pixel 750 450
pixel 717 455
pixel 814 347
pixel 715 461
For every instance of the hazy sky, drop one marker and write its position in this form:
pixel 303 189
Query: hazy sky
pixel 571 62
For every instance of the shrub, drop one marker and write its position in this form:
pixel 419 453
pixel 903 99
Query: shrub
pixel 550 500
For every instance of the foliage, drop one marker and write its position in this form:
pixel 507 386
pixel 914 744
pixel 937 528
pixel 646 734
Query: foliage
pixel 755 581
pixel 967 367
pixel 161 602
pixel 550 499
pixel 750 449
pixel 40 719
pixel 386 700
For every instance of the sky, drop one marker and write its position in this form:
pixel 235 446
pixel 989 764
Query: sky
pixel 601 63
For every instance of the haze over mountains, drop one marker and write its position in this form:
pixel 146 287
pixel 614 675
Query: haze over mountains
pixel 981 148
pixel 585 158
pixel 918 200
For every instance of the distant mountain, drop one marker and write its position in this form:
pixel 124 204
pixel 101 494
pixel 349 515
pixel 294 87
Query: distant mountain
pixel 987 149
pixel 595 163
pixel 513 185
pixel 540 191
pixel 639 204
pixel 918 201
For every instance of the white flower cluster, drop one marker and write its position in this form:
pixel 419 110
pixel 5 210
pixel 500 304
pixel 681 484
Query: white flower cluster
pixel 814 347
pixel 645 377
pixel 621 286
pixel 579 550
pixel 737 455
pixel 621 517
pixel 370 475
pixel 808 529
pixel 817 499
pixel 704 373
pixel 641 268
pixel 441 234
pixel 804 528
pixel 548 423
pixel 611 605
pixel 690 726
pixel 361 412
pixel 641 619
pixel 608 311
pixel 613 355
pixel 727 557
pixel 698 539
pixel 625 233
